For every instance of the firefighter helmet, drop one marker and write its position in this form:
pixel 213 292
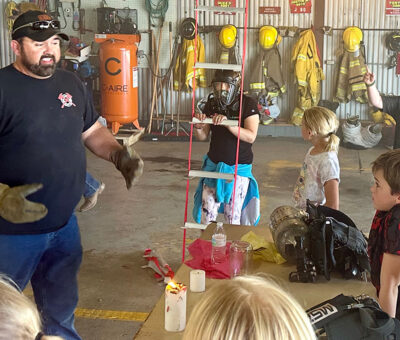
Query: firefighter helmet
pixel 393 41
pixel 352 37
pixel 227 36
pixel 187 28
pixel 226 86
pixel 268 37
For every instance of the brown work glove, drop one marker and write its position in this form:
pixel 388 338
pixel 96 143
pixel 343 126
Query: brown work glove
pixel 128 161
pixel 15 208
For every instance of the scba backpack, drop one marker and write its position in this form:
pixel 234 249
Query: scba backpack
pixel 355 318
pixel 331 242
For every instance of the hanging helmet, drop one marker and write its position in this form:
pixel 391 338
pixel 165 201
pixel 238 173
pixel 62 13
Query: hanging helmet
pixel 226 86
pixel 352 37
pixel 227 36
pixel 187 28
pixel 393 41
pixel 268 36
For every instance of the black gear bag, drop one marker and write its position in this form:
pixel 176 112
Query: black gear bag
pixel 332 242
pixel 355 318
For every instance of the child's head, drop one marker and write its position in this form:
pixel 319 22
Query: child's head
pixel 321 123
pixel 386 189
pixel 248 307
pixel 19 318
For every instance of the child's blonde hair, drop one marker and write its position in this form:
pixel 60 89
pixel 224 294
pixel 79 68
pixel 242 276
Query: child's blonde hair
pixel 19 317
pixel 323 123
pixel 248 307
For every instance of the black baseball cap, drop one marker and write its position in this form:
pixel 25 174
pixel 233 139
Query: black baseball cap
pixel 36 25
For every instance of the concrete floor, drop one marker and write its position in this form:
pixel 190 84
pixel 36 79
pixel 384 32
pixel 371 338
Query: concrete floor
pixel 116 232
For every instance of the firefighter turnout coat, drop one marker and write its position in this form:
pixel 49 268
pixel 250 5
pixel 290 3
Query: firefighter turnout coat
pixel 350 81
pixel 308 72
pixel 183 71
pixel 266 77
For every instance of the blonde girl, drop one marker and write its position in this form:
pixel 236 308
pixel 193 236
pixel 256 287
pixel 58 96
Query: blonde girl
pixel 248 308
pixel 19 317
pixel 319 177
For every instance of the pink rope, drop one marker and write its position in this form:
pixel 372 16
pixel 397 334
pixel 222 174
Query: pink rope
pixel 240 107
pixel 191 133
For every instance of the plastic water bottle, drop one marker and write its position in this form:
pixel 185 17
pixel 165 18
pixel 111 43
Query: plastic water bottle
pixel 218 240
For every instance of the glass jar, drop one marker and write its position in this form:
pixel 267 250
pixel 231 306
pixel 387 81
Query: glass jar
pixel 240 258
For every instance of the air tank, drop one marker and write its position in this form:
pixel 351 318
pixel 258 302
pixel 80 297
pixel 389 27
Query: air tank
pixel 119 78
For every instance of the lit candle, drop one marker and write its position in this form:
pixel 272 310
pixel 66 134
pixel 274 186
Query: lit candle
pixel 175 307
pixel 197 281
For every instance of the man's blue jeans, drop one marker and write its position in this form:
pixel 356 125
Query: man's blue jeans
pixel 91 185
pixel 51 261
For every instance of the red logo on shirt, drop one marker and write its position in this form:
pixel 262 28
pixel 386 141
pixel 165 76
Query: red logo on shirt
pixel 66 100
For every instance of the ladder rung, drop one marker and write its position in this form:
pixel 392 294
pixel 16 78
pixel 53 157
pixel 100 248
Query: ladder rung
pixel 220 9
pixel 229 122
pixel 210 174
pixel 217 66
pixel 192 225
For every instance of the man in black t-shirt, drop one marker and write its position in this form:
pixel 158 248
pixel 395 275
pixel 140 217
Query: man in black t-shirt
pixel 222 104
pixel 46 119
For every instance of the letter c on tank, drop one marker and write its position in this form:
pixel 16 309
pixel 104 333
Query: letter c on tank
pixel 106 66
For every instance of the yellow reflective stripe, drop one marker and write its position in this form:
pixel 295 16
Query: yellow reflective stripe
pixel 354 63
pixel 343 70
pixel 302 82
pixel 273 94
pixel 302 57
pixel 358 87
pixel 257 86
pixel 265 71
pixel 190 49
pixel 189 76
pixel 283 89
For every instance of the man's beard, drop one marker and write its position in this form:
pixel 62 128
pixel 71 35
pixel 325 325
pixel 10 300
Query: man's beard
pixel 38 69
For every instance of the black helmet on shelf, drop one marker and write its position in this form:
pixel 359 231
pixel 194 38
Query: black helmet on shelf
pixel 187 28
pixel 226 86
pixel 393 41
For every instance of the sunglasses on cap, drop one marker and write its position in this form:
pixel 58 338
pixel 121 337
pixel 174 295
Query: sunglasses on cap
pixel 40 25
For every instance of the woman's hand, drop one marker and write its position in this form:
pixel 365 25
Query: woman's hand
pixel 218 119
pixel 369 77
pixel 199 116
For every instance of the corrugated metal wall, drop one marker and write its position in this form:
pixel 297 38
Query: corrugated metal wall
pixel 370 16
pixel 367 14
pixel 255 21
pixel 6 55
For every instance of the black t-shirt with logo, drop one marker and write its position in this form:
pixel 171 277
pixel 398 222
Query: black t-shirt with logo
pixel 223 143
pixel 41 125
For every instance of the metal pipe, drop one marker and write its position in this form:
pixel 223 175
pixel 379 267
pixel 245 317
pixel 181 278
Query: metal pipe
pixel 209 29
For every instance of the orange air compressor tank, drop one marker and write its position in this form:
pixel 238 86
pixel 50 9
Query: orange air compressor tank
pixel 119 79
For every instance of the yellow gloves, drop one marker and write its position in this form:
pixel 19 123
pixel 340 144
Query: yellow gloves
pixel 15 208
pixel 382 117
